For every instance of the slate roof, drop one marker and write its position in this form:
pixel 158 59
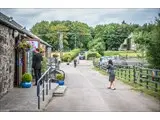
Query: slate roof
pixel 8 21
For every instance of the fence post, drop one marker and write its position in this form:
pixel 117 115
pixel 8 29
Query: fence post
pixel 134 74
pixel 121 72
pixel 125 72
pixel 156 86
pixel 140 76
pixel 147 79
pixel 129 76
pixel 155 79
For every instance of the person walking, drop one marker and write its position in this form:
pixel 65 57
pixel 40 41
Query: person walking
pixel 111 71
pixel 36 65
pixel 75 62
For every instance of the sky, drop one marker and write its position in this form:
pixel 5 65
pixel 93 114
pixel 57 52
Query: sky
pixel 29 17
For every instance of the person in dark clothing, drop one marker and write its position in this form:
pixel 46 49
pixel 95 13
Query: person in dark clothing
pixel 36 64
pixel 75 62
pixel 111 71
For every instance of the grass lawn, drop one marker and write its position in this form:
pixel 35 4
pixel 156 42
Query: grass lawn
pixel 121 53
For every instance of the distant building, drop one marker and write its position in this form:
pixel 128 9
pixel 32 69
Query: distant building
pixel 128 43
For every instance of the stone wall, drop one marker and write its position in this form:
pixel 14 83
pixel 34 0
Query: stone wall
pixel 7 59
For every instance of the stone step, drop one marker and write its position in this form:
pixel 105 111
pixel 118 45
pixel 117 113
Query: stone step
pixel 60 90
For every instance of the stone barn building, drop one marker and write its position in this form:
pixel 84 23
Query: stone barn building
pixel 12 63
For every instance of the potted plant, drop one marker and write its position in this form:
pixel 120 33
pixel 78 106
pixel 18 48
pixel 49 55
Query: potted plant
pixel 55 55
pixel 60 79
pixel 26 80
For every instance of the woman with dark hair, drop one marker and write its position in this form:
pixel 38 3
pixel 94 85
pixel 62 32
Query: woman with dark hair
pixel 110 68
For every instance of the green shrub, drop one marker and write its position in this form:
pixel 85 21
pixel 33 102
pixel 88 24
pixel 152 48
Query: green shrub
pixel 27 77
pixel 66 57
pixel 55 55
pixel 70 55
pixel 59 77
pixel 98 55
pixel 44 65
pixel 93 54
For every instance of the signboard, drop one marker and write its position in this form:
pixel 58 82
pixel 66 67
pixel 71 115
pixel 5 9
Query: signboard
pixel 34 44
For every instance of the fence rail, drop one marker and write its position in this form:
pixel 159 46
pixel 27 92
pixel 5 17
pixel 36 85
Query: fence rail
pixel 144 77
pixel 44 83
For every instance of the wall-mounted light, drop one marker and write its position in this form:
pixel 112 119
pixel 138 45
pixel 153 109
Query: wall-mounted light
pixel 24 35
pixel 15 34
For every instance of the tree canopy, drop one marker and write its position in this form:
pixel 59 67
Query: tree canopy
pixel 102 37
pixel 75 34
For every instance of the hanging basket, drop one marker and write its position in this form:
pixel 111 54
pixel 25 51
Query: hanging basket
pixel 23 46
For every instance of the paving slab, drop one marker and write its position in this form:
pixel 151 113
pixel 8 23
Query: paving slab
pixel 24 99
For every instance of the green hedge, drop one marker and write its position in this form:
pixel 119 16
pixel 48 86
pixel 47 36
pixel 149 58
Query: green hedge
pixel 69 56
pixel 92 55
pixel 121 53
pixel 44 64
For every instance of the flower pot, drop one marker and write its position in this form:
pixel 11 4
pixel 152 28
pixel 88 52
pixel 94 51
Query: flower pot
pixel 57 82
pixel 26 84
pixel 61 82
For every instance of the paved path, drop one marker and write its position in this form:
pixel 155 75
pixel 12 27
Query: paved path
pixel 87 92
pixel 24 99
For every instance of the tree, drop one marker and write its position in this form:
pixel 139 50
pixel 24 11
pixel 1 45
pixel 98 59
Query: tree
pixel 153 50
pixel 142 39
pixel 115 34
pixel 123 22
pixel 97 45
pixel 73 32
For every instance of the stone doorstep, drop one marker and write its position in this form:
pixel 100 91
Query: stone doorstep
pixel 60 90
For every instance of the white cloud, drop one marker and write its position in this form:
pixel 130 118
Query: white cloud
pixel 28 17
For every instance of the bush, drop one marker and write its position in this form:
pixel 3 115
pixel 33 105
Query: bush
pixel 69 56
pixel 59 77
pixel 93 54
pixel 66 58
pixel 44 64
pixel 27 77
pixel 98 55
pixel 55 55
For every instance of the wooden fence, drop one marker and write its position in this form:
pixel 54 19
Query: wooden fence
pixel 144 77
